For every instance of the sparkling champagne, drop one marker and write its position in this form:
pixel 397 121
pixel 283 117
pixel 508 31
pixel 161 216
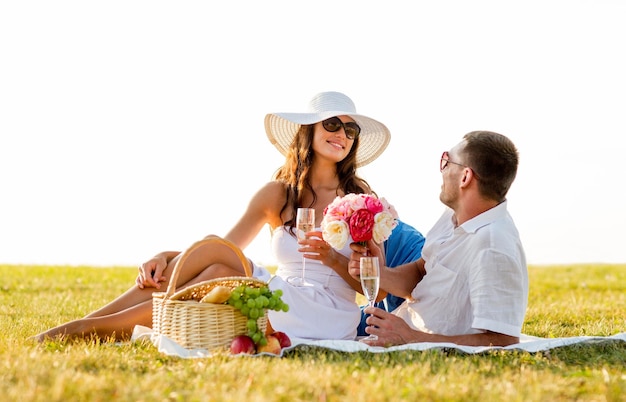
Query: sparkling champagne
pixel 305 222
pixel 370 282
pixel 370 286
pixel 303 228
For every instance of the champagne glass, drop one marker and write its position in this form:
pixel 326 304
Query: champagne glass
pixel 305 222
pixel 370 282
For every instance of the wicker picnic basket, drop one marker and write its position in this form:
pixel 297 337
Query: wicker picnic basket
pixel 195 325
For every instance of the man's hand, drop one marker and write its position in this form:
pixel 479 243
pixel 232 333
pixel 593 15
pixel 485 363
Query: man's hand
pixel 358 251
pixel 392 330
pixel 389 329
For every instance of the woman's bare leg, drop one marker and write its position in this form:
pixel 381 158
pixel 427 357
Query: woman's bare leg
pixel 134 307
pixel 118 326
pixel 222 261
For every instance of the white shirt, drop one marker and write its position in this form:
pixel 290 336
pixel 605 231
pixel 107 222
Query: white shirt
pixel 476 277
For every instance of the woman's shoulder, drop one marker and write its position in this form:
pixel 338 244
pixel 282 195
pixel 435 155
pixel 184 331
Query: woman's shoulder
pixel 270 199
pixel 272 192
pixel 274 187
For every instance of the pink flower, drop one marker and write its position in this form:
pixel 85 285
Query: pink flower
pixel 374 205
pixel 362 215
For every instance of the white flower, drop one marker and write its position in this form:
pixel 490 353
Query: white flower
pixel 384 223
pixel 336 233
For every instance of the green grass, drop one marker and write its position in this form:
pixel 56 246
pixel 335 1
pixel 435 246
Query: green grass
pixel 564 301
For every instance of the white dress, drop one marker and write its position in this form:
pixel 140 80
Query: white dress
pixel 326 310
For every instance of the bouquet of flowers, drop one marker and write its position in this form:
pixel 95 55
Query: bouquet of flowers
pixel 360 216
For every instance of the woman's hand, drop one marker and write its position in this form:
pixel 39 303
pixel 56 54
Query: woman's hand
pixel 315 248
pixel 151 273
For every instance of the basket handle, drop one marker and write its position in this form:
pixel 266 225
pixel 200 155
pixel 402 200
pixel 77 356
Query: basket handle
pixel 210 239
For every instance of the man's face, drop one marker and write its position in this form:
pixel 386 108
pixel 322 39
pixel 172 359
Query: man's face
pixel 451 171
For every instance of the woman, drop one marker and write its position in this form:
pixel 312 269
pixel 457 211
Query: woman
pixel 323 149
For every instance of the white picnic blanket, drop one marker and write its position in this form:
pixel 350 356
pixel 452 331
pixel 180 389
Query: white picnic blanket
pixel 527 343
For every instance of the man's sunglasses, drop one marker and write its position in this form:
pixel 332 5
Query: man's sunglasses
pixel 445 160
pixel 333 124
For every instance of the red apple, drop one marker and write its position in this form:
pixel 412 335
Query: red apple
pixel 272 346
pixel 284 340
pixel 242 344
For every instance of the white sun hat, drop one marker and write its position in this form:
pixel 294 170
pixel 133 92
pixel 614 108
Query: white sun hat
pixel 281 128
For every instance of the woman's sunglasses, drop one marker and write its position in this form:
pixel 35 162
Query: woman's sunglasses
pixel 333 124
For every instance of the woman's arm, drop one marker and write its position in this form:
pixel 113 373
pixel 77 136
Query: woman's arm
pixel 315 248
pixel 261 209
pixel 264 208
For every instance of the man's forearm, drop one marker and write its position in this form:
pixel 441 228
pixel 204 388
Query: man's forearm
pixel 483 339
pixel 401 280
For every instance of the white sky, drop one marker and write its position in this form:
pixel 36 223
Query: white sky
pixel 130 127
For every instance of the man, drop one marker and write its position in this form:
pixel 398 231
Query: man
pixel 470 287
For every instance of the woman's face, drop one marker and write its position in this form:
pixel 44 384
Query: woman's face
pixel 332 146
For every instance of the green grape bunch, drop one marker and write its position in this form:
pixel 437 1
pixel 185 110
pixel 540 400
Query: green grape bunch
pixel 252 303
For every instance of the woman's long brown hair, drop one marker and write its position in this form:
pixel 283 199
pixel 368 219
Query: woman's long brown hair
pixel 295 173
